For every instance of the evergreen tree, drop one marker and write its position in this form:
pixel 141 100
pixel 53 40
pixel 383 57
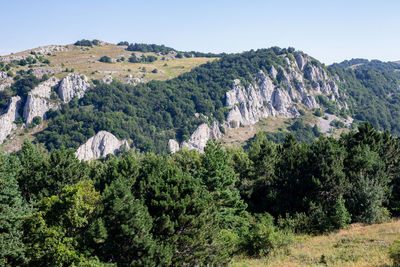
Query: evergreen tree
pixel 12 210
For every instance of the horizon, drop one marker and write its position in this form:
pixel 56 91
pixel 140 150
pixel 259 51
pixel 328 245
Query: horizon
pixel 329 32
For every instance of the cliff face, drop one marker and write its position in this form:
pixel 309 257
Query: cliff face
pixel 38 101
pixel 73 85
pixel 100 145
pixel 7 119
pixel 279 92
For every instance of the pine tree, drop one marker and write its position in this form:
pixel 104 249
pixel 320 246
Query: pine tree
pixel 12 210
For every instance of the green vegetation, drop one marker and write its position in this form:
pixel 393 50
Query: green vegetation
pixel 105 59
pixel 190 208
pixel 151 113
pixel 85 42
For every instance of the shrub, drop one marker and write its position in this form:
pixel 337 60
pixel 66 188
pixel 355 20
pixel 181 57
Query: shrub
pixel 395 252
pixel 105 59
pixel 264 236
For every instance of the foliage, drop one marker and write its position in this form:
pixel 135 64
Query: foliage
pixel 105 59
pixel 395 252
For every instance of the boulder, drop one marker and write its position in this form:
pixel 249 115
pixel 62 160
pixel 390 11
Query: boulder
pixel 100 145
pixel 173 146
pixel 73 85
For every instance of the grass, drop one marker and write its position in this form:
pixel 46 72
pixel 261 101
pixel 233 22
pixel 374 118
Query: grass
pixel 85 60
pixel 358 245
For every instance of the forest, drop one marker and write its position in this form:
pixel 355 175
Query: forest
pixel 187 209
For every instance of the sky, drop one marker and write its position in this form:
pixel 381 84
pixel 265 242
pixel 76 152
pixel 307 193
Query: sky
pixel 329 30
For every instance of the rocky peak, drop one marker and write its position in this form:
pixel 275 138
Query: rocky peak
pixel 100 145
pixel 7 119
pixel 73 85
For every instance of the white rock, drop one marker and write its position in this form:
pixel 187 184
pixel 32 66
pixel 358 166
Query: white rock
pixel 107 79
pixel 100 145
pixel 198 140
pixel 7 119
pixel 310 102
pixel 173 146
pixel 38 101
pixel 73 85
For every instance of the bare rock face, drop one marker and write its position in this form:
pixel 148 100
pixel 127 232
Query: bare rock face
pixel 73 85
pixel 100 145
pixel 7 119
pixel 38 101
pixel 134 80
pixel 263 97
pixel 198 140
pixel 5 81
pixel 173 146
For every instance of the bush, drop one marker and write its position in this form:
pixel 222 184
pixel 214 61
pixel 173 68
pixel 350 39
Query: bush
pixel 105 59
pixel 264 236
pixel 395 252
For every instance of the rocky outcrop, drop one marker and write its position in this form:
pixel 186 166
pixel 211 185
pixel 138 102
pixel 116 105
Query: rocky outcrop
pixel 107 79
pixel 73 85
pixel 198 140
pixel 7 119
pixel 134 80
pixel 39 72
pixel 279 92
pixel 173 146
pixel 38 101
pixel 100 145
pixel 5 80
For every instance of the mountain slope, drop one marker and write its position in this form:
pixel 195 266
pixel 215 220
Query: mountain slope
pixel 184 91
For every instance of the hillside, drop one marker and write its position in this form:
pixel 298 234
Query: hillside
pixel 160 99
pixel 357 245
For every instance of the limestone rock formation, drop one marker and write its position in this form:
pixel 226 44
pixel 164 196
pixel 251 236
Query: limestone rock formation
pixel 73 85
pixel 173 146
pixel 100 145
pixel 279 91
pixel 201 135
pixel 7 119
pixel 38 101
pixel 5 80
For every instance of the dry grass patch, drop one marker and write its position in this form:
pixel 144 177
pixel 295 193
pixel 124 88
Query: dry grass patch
pixel 357 245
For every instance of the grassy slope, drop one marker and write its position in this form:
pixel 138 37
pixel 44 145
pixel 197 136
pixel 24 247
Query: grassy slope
pixel 84 60
pixel 355 246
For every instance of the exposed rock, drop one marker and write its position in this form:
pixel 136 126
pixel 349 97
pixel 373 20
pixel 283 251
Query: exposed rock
pixel 301 62
pixel 5 81
pixel 38 101
pixel 8 59
pixel 49 49
pixel 173 146
pixel 310 102
pixel 73 85
pixel 198 140
pixel 107 79
pixel 7 119
pixel 133 80
pixel 100 145
pixel 263 98
pixel 39 72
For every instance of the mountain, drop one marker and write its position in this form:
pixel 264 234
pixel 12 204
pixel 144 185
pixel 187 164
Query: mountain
pixel 158 98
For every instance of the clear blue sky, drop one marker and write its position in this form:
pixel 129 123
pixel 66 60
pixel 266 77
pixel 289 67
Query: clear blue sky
pixel 329 30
